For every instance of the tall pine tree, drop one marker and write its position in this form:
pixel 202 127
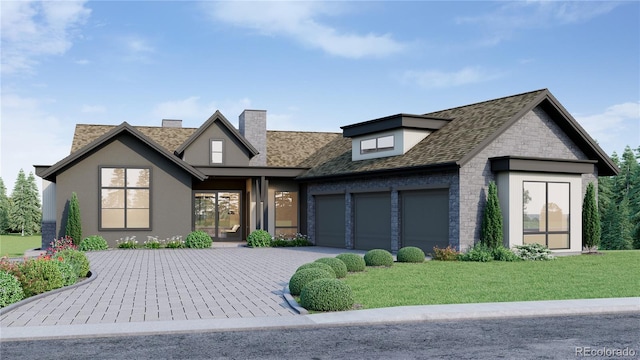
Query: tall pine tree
pixel 5 206
pixel 74 224
pixel 25 214
pixel 590 219
pixel 491 232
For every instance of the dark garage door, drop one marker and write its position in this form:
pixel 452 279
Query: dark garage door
pixel 425 218
pixel 372 213
pixel 330 225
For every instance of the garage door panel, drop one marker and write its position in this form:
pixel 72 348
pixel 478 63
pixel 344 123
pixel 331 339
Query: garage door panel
pixel 425 218
pixel 330 221
pixel 372 215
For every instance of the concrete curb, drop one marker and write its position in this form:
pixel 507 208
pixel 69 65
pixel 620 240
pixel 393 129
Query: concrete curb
pixel 292 302
pixel 91 276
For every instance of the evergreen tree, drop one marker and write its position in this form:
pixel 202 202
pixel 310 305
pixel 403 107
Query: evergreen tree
pixel 74 224
pixel 491 231
pixel 5 205
pixel 25 215
pixel 618 236
pixel 590 219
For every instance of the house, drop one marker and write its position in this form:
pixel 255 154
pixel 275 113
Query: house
pixel 400 180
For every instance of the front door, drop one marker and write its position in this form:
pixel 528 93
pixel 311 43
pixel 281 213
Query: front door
pixel 218 213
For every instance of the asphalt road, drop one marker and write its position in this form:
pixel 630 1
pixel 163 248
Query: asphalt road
pixel 515 338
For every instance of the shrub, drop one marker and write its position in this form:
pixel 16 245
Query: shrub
pixel 74 224
pixel 305 276
pixel 175 242
pixel 298 240
pixel 378 257
pixel 480 252
pixel 590 219
pixel 336 264
pixel 491 231
pixel 77 259
pixel 152 243
pixel 10 289
pixel 69 276
pixel 410 254
pixel 446 254
pixel 533 252
pixel 40 275
pixel 127 243
pixel 93 243
pixel 327 295
pixel 259 238
pixel 198 240
pixel 318 265
pixel 502 253
pixel 61 244
pixel 354 262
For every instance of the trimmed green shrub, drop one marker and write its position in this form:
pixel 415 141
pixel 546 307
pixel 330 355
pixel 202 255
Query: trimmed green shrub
pixel 318 265
pixel 502 253
pixel 378 257
pixel 410 254
pixel 533 252
pixel 198 240
pixel 590 220
pixel 298 240
pixel 74 224
pixel 259 238
pixel 491 231
pixel 327 295
pixel 10 289
pixel 93 243
pixel 305 276
pixel 354 262
pixel 446 254
pixel 336 264
pixel 77 259
pixel 39 276
pixel 480 252
pixel 69 276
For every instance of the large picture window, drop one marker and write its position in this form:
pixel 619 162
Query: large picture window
pixel 286 213
pixel 125 198
pixel 546 213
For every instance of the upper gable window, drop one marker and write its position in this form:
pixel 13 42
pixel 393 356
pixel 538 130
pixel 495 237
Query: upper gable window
pixel 217 152
pixel 382 143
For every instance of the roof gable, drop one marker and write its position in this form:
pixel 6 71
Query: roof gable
pixel 95 144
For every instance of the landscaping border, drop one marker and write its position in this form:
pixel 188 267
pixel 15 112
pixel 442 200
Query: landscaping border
pixel 292 302
pixel 90 277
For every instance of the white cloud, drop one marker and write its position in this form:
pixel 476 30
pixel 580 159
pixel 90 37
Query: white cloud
pixel 32 29
pixel 93 109
pixel 298 21
pixel 82 62
pixel 614 128
pixel 443 79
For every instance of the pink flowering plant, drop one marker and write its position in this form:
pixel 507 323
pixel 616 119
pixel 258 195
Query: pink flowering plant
pixel 64 243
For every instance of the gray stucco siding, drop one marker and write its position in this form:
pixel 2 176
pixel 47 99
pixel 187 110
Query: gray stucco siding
pixel 534 135
pixel 198 153
pixel 170 201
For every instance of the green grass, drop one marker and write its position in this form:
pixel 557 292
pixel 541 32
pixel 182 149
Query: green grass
pixel 614 274
pixel 14 245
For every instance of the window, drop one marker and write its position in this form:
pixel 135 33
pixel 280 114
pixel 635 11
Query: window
pixel 124 198
pixel 216 151
pixel 382 143
pixel 286 213
pixel 546 214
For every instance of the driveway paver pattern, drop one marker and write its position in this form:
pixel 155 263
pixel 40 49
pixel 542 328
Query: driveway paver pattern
pixel 173 284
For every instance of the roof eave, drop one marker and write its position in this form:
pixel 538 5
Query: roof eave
pixel 448 166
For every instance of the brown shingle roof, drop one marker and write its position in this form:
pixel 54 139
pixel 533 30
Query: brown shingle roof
pixel 168 138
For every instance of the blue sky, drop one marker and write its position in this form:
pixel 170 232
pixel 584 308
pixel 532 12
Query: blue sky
pixel 312 65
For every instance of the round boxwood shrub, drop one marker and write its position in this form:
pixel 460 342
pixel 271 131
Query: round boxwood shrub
pixel 378 257
pixel 69 276
pixel 39 276
pixel 305 276
pixel 198 240
pixel 354 262
pixel 10 289
pixel 326 295
pixel 259 238
pixel 317 265
pixel 93 243
pixel 410 254
pixel 77 259
pixel 336 264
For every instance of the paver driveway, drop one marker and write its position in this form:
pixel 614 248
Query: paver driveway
pixel 173 284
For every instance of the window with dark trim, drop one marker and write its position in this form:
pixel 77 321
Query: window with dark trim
pixel 286 213
pixel 125 198
pixel 546 214
pixel 382 143
pixel 217 151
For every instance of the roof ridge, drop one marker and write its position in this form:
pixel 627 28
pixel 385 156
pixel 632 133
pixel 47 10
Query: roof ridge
pixel 488 101
pixel 306 132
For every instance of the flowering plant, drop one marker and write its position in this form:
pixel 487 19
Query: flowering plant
pixel 127 243
pixel 61 244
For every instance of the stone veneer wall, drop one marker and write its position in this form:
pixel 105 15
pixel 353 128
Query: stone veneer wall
pixel 390 183
pixel 547 141
pixel 48 233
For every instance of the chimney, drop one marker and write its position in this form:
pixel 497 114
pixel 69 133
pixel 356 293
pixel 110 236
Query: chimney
pixel 253 126
pixel 171 123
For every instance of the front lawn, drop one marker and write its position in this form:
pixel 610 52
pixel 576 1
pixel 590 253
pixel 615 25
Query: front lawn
pixel 14 245
pixel 614 274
